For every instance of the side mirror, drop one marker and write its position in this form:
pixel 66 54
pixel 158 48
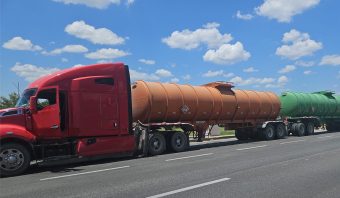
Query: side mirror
pixel 33 104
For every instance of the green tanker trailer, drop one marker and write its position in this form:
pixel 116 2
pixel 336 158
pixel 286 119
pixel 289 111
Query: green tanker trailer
pixel 304 111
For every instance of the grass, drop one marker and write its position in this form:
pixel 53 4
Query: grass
pixel 228 132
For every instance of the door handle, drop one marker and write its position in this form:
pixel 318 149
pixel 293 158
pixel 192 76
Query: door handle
pixel 54 126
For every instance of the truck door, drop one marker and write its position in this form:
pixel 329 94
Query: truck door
pixel 46 121
pixel 95 106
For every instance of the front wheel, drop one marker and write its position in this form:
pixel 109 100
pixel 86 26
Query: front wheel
pixel 14 159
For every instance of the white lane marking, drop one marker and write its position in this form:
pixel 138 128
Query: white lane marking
pixel 89 172
pixel 192 156
pixel 292 141
pixel 328 136
pixel 254 147
pixel 189 188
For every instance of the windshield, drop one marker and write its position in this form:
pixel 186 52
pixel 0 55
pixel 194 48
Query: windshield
pixel 25 97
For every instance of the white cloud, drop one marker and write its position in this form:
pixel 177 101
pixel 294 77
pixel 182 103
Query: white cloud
pixel 99 4
pixel 210 73
pixel 78 65
pixel 102 36
pixel 186 77
pixel 106 53
pixel 208 35
pixel 284 10
pixel 18 43
pixel 31 72
pixel 307 72
pixel 130 2
pixel 250 70
pixel 333 60
pixel 251 81
pixel 299 45
pixel 243 16
pixel 64 60
pixel 287 69
pixel 227 54
pixel 136 75
pixel 174 80
pixel 147 62
pixel 67 49
pixel 163 73
pixel 282 80
pixel 304 63
pixel 211 25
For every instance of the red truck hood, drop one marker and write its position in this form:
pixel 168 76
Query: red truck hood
pixel 12 111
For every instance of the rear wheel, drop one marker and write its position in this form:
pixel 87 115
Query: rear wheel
pixel 300 129
pixel 241 134
pixel 268 133
pixel 179 142
pixel 156 144
pixel 310 128
pixel 293 128
pixel 280 131
pixel 14 159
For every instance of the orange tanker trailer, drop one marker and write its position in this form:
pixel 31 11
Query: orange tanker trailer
pixel 195 108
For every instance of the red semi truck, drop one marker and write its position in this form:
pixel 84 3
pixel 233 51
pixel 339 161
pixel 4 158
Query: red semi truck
pixel 87 111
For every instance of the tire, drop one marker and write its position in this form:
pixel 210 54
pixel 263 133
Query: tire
pixel 293 128
pixel 300 129
pixel 268 133
pixel 253 134
pixel 241 134
pixel 157 144
pixel 14 159
pixel 178 142
pixel 310 128
pixel 280 131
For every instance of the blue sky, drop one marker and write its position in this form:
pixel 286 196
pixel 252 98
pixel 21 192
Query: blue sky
pixel 274 45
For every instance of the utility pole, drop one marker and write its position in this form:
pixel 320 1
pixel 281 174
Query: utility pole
pixel 17 86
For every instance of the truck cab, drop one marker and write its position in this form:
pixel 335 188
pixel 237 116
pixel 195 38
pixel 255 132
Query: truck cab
pixel 78 112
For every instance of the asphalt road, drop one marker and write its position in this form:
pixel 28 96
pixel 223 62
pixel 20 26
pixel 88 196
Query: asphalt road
pixel 292 167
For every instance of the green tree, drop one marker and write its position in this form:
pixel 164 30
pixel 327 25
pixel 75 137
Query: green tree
pixel 9 101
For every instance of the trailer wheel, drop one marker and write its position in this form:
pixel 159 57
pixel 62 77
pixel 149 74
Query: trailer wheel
pixel 14 159
pixel 300 129
pixel 268 133
pixel 280 131
pixel 241 134
pixel 293 128
pixel 156 144
pixel 310 128
pixel 179 142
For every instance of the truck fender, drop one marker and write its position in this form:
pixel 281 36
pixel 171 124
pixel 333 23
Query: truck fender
pixel 17 132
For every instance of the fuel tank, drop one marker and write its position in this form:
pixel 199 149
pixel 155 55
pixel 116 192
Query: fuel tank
pixel 320 104
pixel 154 102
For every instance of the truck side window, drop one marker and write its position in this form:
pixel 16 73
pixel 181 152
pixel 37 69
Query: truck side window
pixel 46 98
pixel 104 81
